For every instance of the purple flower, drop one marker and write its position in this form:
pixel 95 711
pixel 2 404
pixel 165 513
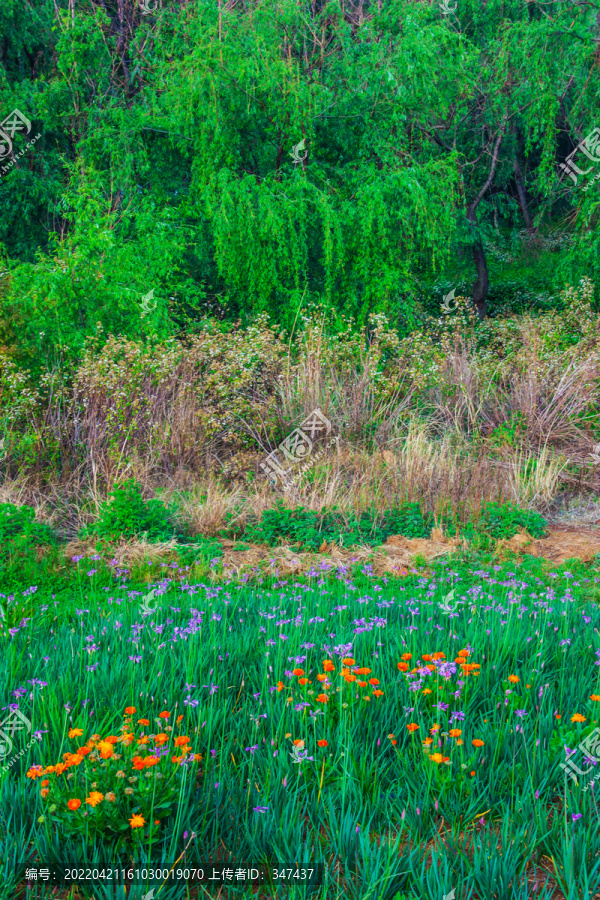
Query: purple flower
pixel 576 816
pixel 260 809
pixel 521 713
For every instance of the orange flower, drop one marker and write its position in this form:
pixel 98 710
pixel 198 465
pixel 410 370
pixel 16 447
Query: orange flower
pixel 60 768
pixel 427 657
pixel 298 743
pixel 111 739
pixel 407 656
pixel 438 655
pixel 403 666
pixel 139 763
pixel 303 681
pixel 75 732
pixel 435 727
pixel 322 677
pixel 328 666
pixel 164 714
pixel 297 671
pixel 595 697
pixel 477 742
pixel 460 742
pixel 44 792
pixel 349 678
pixel 83 751
pixel 94 799
pixel 106 750
pixel 157 821
pixel 412 726
pixel 348 662
pixel 178 759
pixel 390 736
pixel 373 680
pixel 463 653
pixel 143 722
pixel 513 679
pixel 74 804
pixel 394 742
pixel 426 691
pixel 439 758
pixel 181 740
pixel 367 698
pixel 363 671
pixel 143 740
pixel 378 693
pixel 161 739
pixel 179 719
pixel 361 683
pixel 455 732
pixel 556 716
pixel 280 686
pixel 127 739
pixel 137 821
pixel 322 698
pixel 322 743
pixel 130 710
pixel 428 740
pixel 577 718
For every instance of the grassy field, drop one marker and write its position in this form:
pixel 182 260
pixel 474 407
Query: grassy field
pixel 405 733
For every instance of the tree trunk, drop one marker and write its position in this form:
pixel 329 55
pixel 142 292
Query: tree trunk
pixel 481 286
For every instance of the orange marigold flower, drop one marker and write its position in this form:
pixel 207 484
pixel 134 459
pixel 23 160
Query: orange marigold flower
pixel 460 742
pixel 407 656
pixel 556 716
pixel 477 742
pixel 75 732
pixel 464 653
pixel 322 698
pixel 390 736
pixel 427 657
pixel 161 738
pixel 164 714
pixel 431 667
pixel 139 763
pixel 373 680
pixel 377 693
pixel 426 691
pixel 178 759
pixel 428 740
pixel 130 710
pixel 403 666
pixel 439 758
pixel 322 743
pixel 577 718
pixel 74 804
pixel 280 686
pixel 297 671
pixel 361 683
pixel 349 678
pixel 112 739
pixel 322 676
pixel 328 666
pixel 412 726
pixel 45 782
pixel 298 743
pixel 348 662
pixel 362 671
pixel 143 722
pixel 472 773
pixel 181 740
pixel 143 740
pixel 435 727
pixel 44 792
pixel 513 679
pixel 303 681
pixel 455 732
pixel 83 751
pixel 394 742
pixel 60 768
pixel 137 821
pixel 179 719
pixel 105 749
pixel 94 799
pixel 127 739
pixel 438 655
pixel 595 697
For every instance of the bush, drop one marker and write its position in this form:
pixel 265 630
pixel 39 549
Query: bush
pixel 19 532
pixel 127 514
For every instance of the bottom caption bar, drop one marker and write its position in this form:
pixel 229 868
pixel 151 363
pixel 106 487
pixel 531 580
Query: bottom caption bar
pixel 201 873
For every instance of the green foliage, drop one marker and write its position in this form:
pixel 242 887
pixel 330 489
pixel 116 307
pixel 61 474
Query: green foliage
pixel 127 514
pixel 19 532
pixel 308 529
